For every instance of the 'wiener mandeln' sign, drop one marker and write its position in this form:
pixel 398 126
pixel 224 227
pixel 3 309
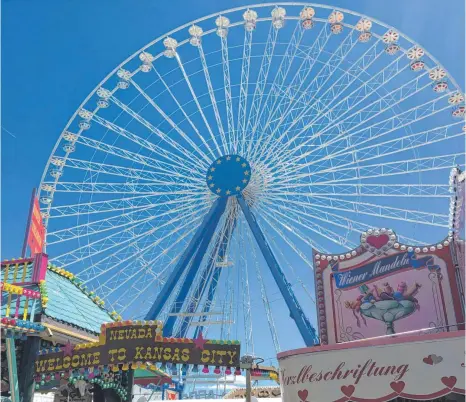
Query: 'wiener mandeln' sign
pixel 130 343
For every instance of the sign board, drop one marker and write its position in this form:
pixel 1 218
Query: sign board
pixel 418 367
pixel 125 343
pixel 36 233
pixel 384 287
pixel 258 392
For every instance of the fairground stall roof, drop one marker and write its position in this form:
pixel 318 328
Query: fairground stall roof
pixel 63 297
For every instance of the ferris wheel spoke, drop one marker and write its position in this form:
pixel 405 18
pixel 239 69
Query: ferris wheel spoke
pixel 128 188
pixel 280 111
pixel 361 93
pixel 246 294
pixel 174 125
pixel 103 244
pixel 265 299
pixel 122 171
pixel 114 260
pixel 178 160
pixel 232 135
pixel 369 190
pixel 363 115
pixel 115 284
pixel 324 104
pixel 261 82
pixel 315 86
pixel 349 103
pixel 99 226
pixel 213 100
pixel 275 224
pixel 387 169
pixel 343 144
pixel 181 108
pixel 174 160
pixel 345 161
pixel 132 156
pixel 295 221
pixel 199 108
pixel 305 218
pixel 112 205
pixel 343 165
pixel 283 257
pixel 380 211
pixel 278 82
pixel 243 97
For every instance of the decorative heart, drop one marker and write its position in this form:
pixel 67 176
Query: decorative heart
pixel 303 394
pixel 428 360
pixel 436 359
pixel 348 390
pixel 449 381
pixel 377 241
pixel 397 386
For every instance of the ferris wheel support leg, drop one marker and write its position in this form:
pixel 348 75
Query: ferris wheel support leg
pixel 210 271
pixel 214 214
pixel 208 232
pixel 305 328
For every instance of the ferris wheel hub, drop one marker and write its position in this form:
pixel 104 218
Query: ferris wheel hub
pixel 228 175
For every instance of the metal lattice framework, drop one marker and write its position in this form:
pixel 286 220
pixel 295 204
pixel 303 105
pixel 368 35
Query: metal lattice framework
pixel 345 122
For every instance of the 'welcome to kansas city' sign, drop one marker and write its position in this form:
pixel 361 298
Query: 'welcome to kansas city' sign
pixel 130 342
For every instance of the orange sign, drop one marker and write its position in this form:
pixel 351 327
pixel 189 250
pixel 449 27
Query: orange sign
pixel 36 230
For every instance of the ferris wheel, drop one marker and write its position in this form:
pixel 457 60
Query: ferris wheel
pixel 195 180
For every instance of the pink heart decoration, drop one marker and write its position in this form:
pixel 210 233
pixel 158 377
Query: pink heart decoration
pixel 377 241
pixel 428 360
pixel 303 394
pixel 449 381
pixel 397 386
pixel 348 390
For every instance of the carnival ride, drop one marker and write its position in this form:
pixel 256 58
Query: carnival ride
pixel 194 182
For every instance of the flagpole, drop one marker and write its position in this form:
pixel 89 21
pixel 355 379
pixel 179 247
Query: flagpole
pixel 28 226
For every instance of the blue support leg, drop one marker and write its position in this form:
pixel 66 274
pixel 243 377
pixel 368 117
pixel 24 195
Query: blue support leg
pixel 191 274
pixel 217 209
pixel 210 272
pixel 305 328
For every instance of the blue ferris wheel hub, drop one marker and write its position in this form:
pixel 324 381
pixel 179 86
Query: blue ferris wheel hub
pixel 228 175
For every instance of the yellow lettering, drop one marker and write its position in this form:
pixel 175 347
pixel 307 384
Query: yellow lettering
pixel 121 334
pixel 149 332
pixel 66 362
pixel 138 355
pixel 205 356
pixel 148 355
pixel 167 353
pixel 112 353
pixel 221 353
pixel 51 366
pixel 96 356
pixel 232 354
pixel 157 356
pixel 121 354
pixel 75 361
pixel 176 355
pixel 141 333
pixel 185 355
pixel 113 335
pixel 58 366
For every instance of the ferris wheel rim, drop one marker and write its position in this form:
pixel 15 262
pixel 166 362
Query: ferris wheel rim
pixel 212 15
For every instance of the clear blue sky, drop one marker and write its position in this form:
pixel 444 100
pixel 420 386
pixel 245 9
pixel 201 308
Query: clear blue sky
pixel 54 52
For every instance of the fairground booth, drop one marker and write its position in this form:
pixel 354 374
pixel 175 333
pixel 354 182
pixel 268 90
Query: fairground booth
pixel 391 321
